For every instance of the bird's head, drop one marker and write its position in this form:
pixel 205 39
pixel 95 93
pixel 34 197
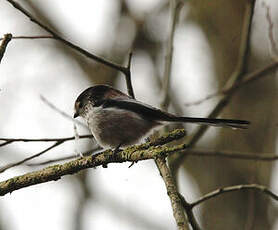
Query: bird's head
pixel 95 96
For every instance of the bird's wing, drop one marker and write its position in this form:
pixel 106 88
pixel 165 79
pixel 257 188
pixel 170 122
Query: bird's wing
pixel 144 110
pixel 150 113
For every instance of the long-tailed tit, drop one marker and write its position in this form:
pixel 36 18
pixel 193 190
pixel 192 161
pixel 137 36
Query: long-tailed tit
pixel 115 119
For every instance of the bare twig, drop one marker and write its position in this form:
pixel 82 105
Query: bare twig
pixel 172 192
pixel 5 143
pixel 247 79
pixel 178 212
pixel 6 39
pixel 190 215
pixel 145 151
pixel 72 156
pixel 235 78
pixel 64 139
pixel 220 191
pixel 175 7
pixel 11 165
pixel 124 70
pixel 189 206
pixel 232 155
pixel 64 114
pixel 58 37
pixel 30 37
pixel 128 77
pixel 251 77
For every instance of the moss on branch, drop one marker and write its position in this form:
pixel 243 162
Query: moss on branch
pixel 149 150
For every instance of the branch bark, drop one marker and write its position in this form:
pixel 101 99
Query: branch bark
pixel 172 192
pixel 145 151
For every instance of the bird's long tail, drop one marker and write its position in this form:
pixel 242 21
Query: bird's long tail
pixel 238 124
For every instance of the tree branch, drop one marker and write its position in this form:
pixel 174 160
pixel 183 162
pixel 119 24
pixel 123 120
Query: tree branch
pixel 232 155
pixel 6 39
pixel 64 114
pixel 128 77
pixel 145 151
pixel 220 191
pixel 190 215
pixel 10 140
pixel 172 192
pixel 189 206
pixel 247 79
pixel 178 212
pixel 175 7
pixel 69 157
pixel 124 70
pixel 11 165
pixel 235 78
pixel 30 37
pixel 58 141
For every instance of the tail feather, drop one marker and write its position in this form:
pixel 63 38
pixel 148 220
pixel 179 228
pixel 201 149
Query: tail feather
pixel 237 124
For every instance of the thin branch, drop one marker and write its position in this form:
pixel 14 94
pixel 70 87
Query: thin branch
pixel 70 157
pixel 178 212
pixel 220 191
pixel 30 37
pixel 235 78
pixel 232 155
pixel 64 139
pixel 11 165
pixel 124 70
pixel 5 143
pixel 175 8
pixel 251 77
pixel 128 77
pixel 247 79
pixel 172 192
pixel 11 140
pixel 58 37
pixel 238 73
pixel 145 151
pixel 64 114
pixel 189 206
pixel 190 215
pixel 6 39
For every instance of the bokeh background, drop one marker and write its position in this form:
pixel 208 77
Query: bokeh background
pixel 206 48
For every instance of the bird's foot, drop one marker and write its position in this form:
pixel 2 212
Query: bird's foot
pixel 117 149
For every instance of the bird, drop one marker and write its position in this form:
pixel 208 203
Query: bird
pixel 117 120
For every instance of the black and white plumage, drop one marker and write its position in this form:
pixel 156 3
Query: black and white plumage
pixel 115 119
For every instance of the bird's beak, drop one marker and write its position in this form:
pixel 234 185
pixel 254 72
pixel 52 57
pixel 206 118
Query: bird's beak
pixel 76 114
